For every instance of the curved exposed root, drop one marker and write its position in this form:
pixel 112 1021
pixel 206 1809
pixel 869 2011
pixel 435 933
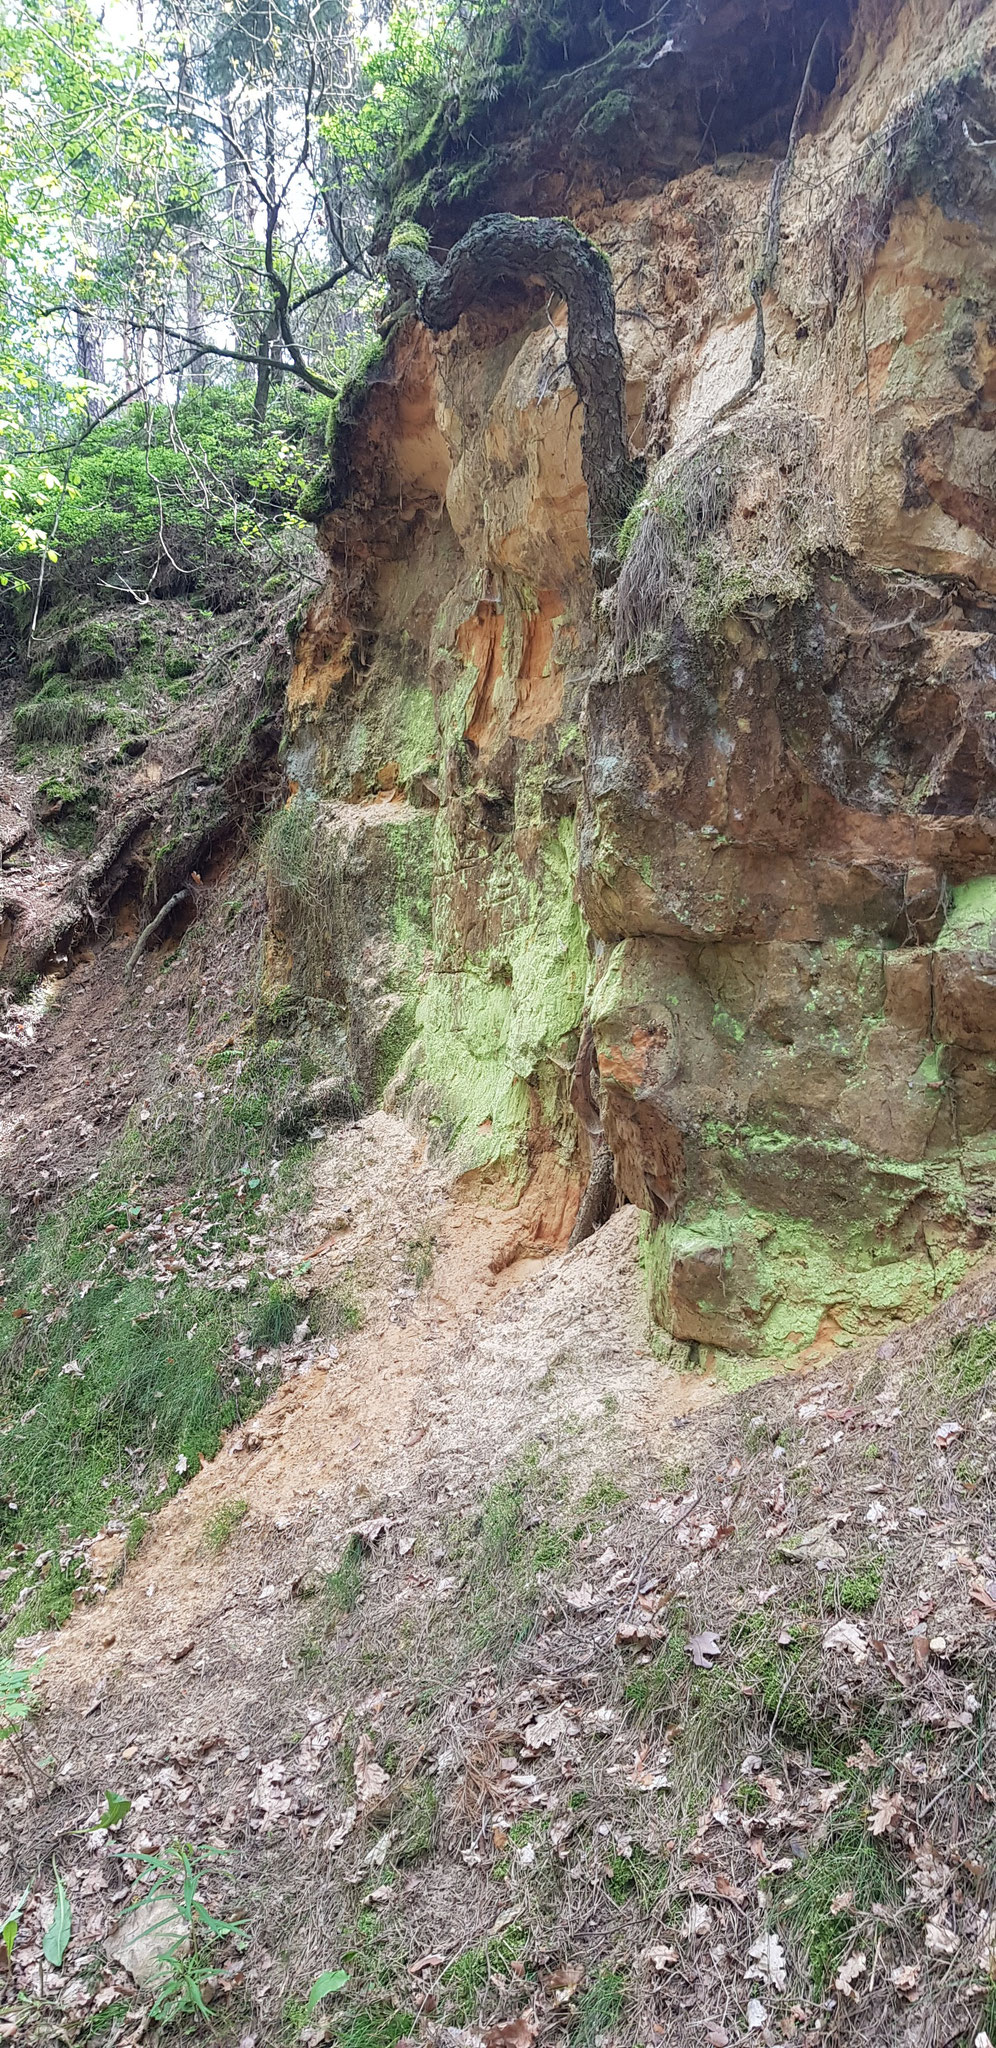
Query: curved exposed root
pixel 503 245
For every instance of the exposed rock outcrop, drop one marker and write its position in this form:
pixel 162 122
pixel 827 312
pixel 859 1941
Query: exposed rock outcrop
pixel 741 813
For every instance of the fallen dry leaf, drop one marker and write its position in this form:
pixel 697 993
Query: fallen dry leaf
pixel 846 1635
pixel 769 1961
pixel 343 1826
pixel 371 1781
pixel 885 1812
pixel 661 1958
pixel 947 1433
pixel 704 1649
pixel 640 1632
pixel 520 2033
pixel 562 1982
pixel 546 1730
pixel 371 1532
pixel 905 1978
pixel 430 1961
pixel 846 1979
pixel 696 1923
pixel 940 1940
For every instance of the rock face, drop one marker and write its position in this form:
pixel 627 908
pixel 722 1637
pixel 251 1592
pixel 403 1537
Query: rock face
pixel 739 814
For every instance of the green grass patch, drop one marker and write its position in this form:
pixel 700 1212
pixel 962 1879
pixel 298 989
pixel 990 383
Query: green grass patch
pixel 415 1822
pixel 971 1361
pixel 56 721
pixel 117 1376
pixel 860 1589
pixel 344 1586
pixel 378 2025
pixel 420 1254
pixel 276 1317
pixel 467 1978
pixel 602 1495
pixel 654 1691
pixel 850 1860
pixel 221 1526
pixel 599 2009
pixel 639 1876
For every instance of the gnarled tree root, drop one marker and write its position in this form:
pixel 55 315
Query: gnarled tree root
pixel 150 931
pixel 599 1198
pixel 35 942
pixel 502 245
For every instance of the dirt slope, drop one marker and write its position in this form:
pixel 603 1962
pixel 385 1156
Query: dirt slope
pixel 541 1747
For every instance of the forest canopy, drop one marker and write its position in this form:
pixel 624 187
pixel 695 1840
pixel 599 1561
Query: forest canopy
pixel 186 218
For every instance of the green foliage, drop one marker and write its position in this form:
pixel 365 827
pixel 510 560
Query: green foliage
pixel 403 77
pixel 11 1926
pixel 198 475
pixel 59 1930
pixel 116 1808
pixel 15 1698
pixel 324 1986
pixel 179 1873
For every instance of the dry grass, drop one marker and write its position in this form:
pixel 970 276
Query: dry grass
pixel 725 524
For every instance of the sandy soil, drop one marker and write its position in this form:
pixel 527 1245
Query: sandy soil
pixel 439 1387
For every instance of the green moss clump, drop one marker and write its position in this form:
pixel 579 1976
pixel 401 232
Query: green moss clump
pixel 605 118
pixel 327 487
pixel 410 235
pixel 55 721
pixel 489 1031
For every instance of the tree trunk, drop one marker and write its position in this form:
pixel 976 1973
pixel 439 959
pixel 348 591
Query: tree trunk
pixel 502 245
pixel 195 305
pixel 90 355
pixel 268 349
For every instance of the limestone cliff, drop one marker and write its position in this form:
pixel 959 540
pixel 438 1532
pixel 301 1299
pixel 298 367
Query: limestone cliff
pixel 738 812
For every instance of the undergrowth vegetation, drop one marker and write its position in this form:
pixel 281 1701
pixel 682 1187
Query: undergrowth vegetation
pixel 140 1322
pixel 173 498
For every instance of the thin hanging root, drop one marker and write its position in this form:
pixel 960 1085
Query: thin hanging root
pixel 769 248
pixel 151 930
